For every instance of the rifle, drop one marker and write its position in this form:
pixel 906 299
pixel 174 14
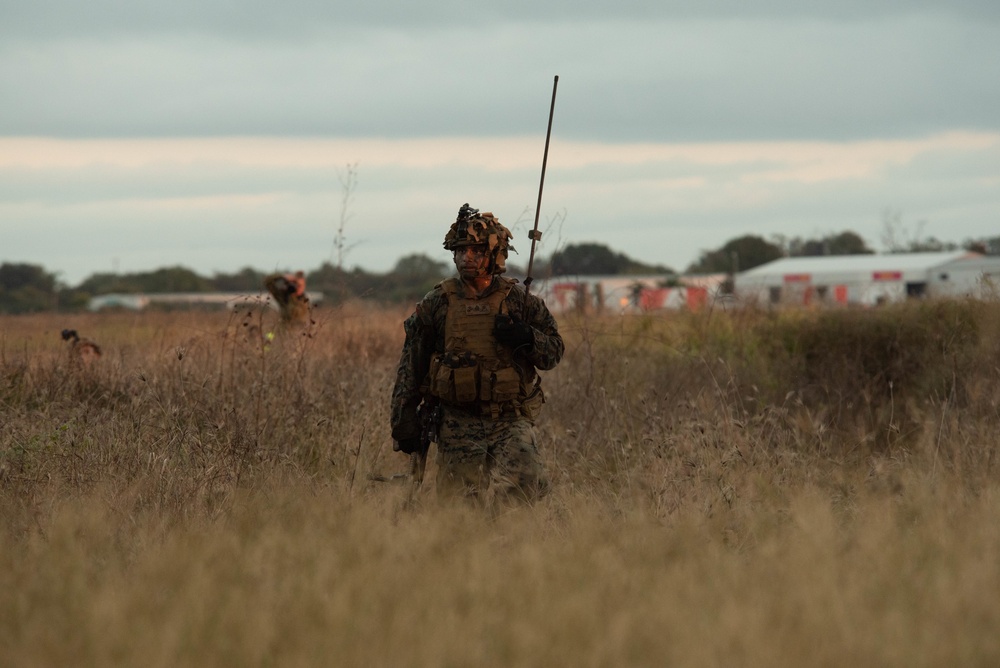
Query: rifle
pixel 429 415
pixel 535 235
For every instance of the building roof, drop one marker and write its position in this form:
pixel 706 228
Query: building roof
pixel 844 264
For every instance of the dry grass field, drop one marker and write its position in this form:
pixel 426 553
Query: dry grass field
pixel 730 489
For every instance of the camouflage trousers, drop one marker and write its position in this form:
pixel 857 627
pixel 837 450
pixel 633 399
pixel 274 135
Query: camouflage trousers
pixel 492 462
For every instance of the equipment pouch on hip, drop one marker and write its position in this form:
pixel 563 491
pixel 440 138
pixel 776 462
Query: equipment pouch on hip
pixel 506 385
pixel 441 382
pixel 466 385
pixel 532 406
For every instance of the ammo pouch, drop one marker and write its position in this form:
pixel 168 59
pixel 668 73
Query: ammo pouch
pixel 442 381
pixel 470 382
pixel 454 380
pixel 500 385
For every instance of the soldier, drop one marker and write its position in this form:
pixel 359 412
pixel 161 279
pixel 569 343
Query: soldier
pixel 82 352
pixel 289 291
pixel 472 349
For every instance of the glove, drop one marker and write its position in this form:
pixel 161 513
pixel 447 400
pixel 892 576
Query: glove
pixel 511 332
pixel 407 445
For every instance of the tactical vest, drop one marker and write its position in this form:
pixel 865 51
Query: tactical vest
pixel 474 369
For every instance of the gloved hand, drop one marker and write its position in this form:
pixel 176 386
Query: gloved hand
pixel 407 445
pixel 511 332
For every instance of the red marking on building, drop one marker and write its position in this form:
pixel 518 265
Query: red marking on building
pixel 697 298
pixel 798 278
pixel 653 298
pixel 887 275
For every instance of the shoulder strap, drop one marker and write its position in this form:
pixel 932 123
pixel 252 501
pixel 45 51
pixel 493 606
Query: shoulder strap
pixel 451 286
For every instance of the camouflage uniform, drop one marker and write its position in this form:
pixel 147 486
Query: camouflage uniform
pixel 486 450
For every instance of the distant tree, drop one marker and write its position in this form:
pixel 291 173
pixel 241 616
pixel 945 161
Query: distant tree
pixel 411 278
pixel 848 243
pixel 169 279
pixel 897 237
pixel 173 279
pixel 73 300
pixel 335 283
pixel 845 243
pixel 15 276
pixel 738 254
pixel 420 267
pixel 245 280
pixel 26 288
pixel 985 246
pixel 587 259
pixel 931 245
pixel 104 283
pixel 590 259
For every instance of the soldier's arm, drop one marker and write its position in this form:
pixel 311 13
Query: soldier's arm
pixel 549 346
pixel 413 364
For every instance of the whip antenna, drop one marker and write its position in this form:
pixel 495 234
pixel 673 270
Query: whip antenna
pixel 535 235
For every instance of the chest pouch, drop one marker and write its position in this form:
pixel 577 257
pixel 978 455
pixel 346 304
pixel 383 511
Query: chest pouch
pixel 466 383
pixel 454 379
pixel 501 385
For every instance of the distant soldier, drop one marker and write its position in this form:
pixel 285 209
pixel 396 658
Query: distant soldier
pixel 467 375
pixel 289 292
pixel 82 352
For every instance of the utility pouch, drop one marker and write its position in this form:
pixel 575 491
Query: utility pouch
pixel 466 384
pixel 531 407
pixel 506 385
pixel 441 384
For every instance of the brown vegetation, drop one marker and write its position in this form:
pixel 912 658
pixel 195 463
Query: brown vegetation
pixel 798 488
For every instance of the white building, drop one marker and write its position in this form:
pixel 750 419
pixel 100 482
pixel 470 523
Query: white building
pixel 627 294
pixel 228 300
pixel 869 279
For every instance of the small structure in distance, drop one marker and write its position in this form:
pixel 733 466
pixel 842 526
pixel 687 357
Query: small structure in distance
pixel 227 300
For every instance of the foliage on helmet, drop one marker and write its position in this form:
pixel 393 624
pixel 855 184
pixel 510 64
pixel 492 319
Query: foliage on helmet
pixel 472 228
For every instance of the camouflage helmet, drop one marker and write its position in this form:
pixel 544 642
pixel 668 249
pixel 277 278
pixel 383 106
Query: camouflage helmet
pixel 472 228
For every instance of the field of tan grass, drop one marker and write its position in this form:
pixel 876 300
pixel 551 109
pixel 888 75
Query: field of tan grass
pixel 802 488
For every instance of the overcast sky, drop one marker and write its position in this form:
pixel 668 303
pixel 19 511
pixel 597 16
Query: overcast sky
pixel 216 135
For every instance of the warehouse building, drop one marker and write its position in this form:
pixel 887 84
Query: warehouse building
pixel 868 280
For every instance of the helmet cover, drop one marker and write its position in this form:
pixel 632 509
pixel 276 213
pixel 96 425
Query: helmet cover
pixel 472 228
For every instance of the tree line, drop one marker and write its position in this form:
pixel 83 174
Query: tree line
pixel 29 288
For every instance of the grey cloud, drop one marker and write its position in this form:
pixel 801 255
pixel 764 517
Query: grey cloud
pixel 619 81
pixel 72 186
pixel 295 18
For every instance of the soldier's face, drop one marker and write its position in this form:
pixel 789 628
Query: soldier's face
pixel 472 261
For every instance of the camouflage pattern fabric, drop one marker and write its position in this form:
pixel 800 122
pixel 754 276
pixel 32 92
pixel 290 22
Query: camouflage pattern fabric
pixel 505 443
pixel 472 228
pixel 492 462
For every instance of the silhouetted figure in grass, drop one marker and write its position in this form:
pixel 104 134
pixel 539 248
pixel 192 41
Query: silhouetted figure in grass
pixel 289 292
pixel 81 351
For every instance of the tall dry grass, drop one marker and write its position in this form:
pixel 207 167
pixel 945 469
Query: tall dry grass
pixel 802 488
